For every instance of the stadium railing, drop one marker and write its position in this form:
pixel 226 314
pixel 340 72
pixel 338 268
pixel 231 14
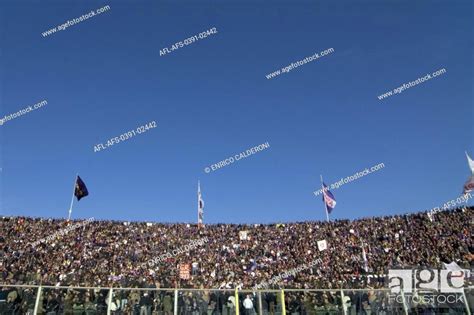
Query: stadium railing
pixel 50 300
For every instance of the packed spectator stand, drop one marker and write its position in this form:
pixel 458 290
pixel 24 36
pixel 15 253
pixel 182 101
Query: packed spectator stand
pixel 117 254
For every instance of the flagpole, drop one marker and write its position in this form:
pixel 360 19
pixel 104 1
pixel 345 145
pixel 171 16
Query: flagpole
pixel 465 194
pixel 72 199
pixel 199 191
pixel 364 256
pixel 324 200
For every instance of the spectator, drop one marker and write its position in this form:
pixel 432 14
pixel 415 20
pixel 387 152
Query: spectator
pixel 248 305
pixel 167 305
pixel 146 304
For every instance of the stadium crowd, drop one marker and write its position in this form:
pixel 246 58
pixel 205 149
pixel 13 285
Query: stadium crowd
pixel 116 254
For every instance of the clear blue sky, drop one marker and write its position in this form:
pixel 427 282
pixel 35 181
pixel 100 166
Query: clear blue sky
pixel 211 100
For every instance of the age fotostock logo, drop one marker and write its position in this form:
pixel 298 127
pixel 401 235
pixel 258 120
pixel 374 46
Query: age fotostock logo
pixel 433 280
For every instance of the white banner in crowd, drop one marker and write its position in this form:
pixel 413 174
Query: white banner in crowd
pixel 322 245
pixel 243 235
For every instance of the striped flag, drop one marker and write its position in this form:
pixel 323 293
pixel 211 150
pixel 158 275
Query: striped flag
pixel 328 198
pixel 200 205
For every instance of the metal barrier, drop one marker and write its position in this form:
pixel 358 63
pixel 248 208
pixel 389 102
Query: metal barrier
pixel 49 300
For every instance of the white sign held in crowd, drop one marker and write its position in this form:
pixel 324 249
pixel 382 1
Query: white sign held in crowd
pixel 243 235
pixel 322 245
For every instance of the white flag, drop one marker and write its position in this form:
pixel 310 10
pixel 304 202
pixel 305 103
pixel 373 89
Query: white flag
pixel 366 263
pixel 322 245
pixel 471 163
pixel 430 216
pixel 452 266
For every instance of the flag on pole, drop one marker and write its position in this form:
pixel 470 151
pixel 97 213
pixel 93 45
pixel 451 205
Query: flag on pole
pixel 469 185
pixel 328 198
pixel 81 190
pixel 364 257
pixel 200 205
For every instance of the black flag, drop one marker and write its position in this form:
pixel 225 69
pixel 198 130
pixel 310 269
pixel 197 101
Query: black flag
pixel 81 189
